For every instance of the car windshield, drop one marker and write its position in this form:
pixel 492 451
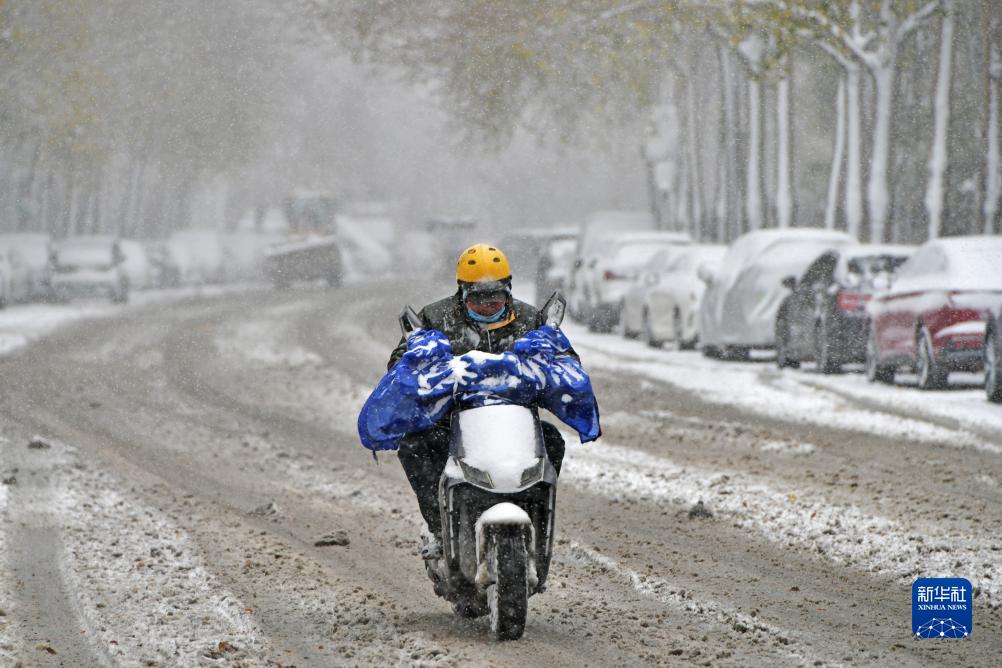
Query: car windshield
pixel 90 255
pixel 636 254
pixel 862 271
pixel 562 248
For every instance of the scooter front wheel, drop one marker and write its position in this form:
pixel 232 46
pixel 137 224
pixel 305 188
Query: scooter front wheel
pixel 508 595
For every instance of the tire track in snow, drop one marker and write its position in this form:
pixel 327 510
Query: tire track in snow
pixel 677 598
pixel 139 585
pixel 840 533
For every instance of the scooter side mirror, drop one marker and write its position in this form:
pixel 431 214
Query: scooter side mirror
pixel 553 310
pixel 410 321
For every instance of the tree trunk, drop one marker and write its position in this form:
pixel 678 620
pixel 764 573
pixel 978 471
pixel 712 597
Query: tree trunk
pixel 835 173
pixel 693 138
pixel 854 159
pixel 938 158
pixel 784 190
pixel 731 144
pixel 993 169
pixel 878 195
pixel 753 175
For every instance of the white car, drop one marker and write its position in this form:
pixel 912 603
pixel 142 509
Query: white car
pixel 35 250
pixel 90 267
pixel 16 277
pixel 738 310
pixel 137 265
pixel 599 225
pixel 612 271
pixel 665 303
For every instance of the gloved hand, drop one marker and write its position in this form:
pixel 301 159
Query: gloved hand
pixel 544 341
pixel 426 346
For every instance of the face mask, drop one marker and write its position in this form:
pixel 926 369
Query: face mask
pixel 486 318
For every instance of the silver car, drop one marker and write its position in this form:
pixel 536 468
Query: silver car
pixel 738 310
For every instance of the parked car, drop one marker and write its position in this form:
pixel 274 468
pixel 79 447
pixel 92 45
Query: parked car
pixel 556 260
pixel 166 268
pixel 665 305
pixel 612 270
pixel 36 251
pixel 137 265
pixel 90 266
pixel 738 310
pixel 933 318
pixel 993 357
pixel 16 274
pixel 824 317
pixel 590 243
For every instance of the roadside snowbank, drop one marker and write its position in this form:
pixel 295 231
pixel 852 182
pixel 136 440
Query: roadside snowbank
pixel 764 390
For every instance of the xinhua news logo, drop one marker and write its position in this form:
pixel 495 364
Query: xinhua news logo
pixel 942 608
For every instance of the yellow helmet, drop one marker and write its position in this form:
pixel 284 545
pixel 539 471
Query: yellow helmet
pixel 482 263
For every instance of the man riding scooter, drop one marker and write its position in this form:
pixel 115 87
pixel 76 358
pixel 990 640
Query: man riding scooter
pixel 460 402
pixel 481 315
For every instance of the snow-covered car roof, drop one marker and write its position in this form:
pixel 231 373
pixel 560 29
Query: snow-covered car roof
pixel 746 248
pixel 954 263
pixel 86 251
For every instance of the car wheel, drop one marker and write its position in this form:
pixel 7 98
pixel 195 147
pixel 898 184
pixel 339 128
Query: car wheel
pixel 680 341
pixel 993 368
pixel 932 375
pixel 623 327
pixel 783 359
pixel 711 352
pixel 875 371
pixel 824 356
pixel 649 337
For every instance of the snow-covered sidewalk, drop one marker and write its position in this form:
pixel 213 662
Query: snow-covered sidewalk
pixel 954 417
pixel 23 324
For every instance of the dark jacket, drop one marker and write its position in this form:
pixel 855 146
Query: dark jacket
pixel 449 316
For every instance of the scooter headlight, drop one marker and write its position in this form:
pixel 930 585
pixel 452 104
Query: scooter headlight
pixel 534 473
pixel 475 475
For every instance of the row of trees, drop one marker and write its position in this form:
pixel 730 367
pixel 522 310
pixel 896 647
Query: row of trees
pixel 870 116
pixel 115 113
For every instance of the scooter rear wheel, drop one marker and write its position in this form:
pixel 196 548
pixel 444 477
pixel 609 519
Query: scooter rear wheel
pixel 508 596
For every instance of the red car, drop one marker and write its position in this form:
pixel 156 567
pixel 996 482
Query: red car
pixel 932 318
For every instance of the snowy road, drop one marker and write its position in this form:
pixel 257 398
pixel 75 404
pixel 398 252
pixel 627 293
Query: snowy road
pixel 192 453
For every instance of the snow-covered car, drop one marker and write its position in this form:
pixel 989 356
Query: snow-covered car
pixel 166 269
pixel 933 318
pixel 556 259
pixel 824 317
pixel 993 357
pixel 738 310
pixel 664 304
pixel 16 275
pixel 590 243
pixel 89 267
pixel 614 269
pixel 136 264
pixel 35 249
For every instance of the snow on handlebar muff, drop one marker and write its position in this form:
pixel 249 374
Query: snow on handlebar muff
pixel 428 382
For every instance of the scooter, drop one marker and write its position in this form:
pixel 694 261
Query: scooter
pixel 497 498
